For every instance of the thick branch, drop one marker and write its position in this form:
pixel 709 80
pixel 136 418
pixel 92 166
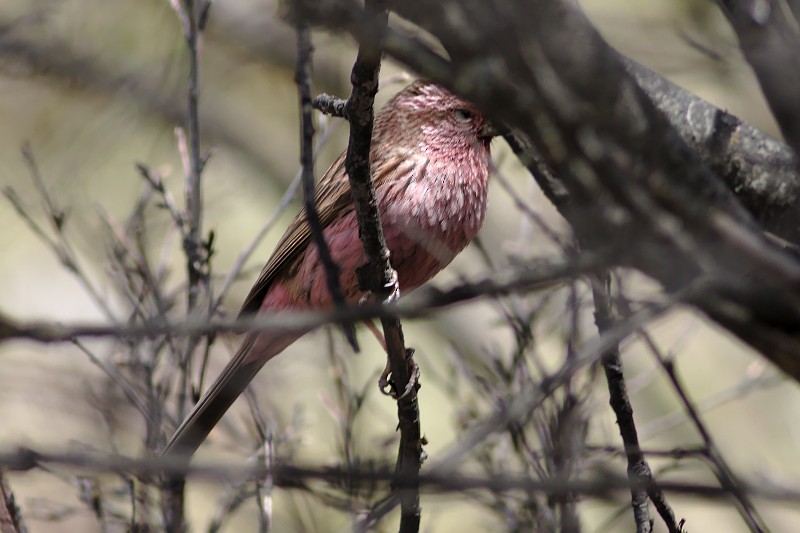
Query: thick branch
pixel 770 40
pixel 759 170
pixel 629 175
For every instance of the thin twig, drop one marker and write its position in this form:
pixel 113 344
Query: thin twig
pixel 167 201
pixel 723 472
pixel 292 476
pixel 423 302
pixel 56 216
pixel 638 468
pixel 121 381
pixel 287 198
pixel 303 80
pixel 330 105
pixel 193 15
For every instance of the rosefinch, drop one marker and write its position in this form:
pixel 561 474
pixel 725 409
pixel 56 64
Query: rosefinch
pixel 430 166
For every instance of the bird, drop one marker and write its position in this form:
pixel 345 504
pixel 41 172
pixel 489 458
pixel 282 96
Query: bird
pixel 430 165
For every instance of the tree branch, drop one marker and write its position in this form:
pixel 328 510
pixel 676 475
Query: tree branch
pixel 639 471
pixel 423 302
pixel 303 80
pixel 380 277
pixel 759 170
pixel 293 476
pixel 769 38
pixel 629 176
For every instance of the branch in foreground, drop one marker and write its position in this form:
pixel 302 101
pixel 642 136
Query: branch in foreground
pixel 629 176
pixel 379 277
pixel 759 170
pixel 291 476
pixel 10 516
pixel 303 80
pixel 769 38
pixel 420 304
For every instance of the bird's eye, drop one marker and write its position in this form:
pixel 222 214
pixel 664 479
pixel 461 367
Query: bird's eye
pixel 463 115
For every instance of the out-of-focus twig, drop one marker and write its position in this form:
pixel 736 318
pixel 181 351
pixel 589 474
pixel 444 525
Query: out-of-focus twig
pixel 10 516
pixel 423 302
pixel 293 476
pixel 57 217
pixel 303 80
pixel 193 15
pixel 723 472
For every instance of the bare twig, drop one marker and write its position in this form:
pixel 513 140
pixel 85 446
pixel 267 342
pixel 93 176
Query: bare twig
pixel 724 473
pixel 330 105
pixel 167 201
pixel 303 80
pixel 292 476
pixel 287 198
pixel 57 217
pixel 10 517
pixel 193 15
pixel 638 468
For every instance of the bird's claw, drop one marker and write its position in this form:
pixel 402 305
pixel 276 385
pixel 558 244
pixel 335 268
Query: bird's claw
pixel 394 285
pixel 388 387
pixel 384 385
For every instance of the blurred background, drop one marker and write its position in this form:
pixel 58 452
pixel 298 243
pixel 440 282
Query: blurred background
pixel 94 87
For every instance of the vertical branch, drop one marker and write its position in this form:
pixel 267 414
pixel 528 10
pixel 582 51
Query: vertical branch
pixel 641 477
pixel 303 81
pixel 379 276
pixel 193 15
pixel 193 244
pixel 197 252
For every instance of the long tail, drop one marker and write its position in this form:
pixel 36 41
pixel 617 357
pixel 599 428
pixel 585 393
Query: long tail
pixel 254 352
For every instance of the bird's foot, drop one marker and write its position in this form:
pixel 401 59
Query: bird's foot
pixel 388 387
pixel 392 287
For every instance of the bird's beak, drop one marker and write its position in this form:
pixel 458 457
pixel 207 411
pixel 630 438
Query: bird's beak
pixel 489 130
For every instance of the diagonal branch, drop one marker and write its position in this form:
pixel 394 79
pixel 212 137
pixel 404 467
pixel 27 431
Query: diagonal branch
pixel 770 40
pixel 629 176
pixel 642 483
pixel 10 516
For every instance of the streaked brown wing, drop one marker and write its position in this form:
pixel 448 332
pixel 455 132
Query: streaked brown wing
pixel 333 200
pixel 332 196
